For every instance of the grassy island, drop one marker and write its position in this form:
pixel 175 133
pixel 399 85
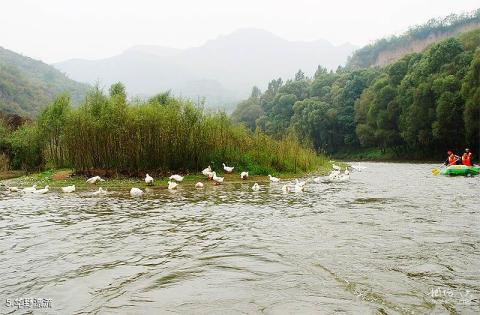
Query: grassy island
pixel 122 139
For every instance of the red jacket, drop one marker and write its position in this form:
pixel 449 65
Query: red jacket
pixel 466 159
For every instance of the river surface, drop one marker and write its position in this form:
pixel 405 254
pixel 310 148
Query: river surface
pixel 393 239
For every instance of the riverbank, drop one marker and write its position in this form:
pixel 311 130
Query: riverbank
pixel 10 174
pixel 65 177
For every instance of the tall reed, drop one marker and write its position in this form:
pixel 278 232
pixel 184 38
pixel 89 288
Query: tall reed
pixel 159 135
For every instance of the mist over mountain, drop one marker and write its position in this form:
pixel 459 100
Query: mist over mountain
pixel 222 70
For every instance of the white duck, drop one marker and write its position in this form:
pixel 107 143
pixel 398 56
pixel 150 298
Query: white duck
pixel 317 180
pixel 136 192
pixel 176 177
pixel 273 179
pixel 199 185
pixel 95 179
pixel 244 175
pixel 347 172
pixel 68 189
pixel 299 188
pixel 285 189
pixel 207 171
pixel 336 167
pixel 217 179
pixel 228 169
pixel 172 185
pixel 148 180
pixel 300 184
pixel 42 191
pixel 12 189
pixel 29 189
pixel 256 187
pixel 100 191
pixel 334 175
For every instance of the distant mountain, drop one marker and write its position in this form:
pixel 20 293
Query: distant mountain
pixel 222 70
pixel 27 85
pixel 388 50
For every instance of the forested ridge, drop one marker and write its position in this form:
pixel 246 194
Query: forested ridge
pixel 416 107
pixel 28 85
pixel 387 50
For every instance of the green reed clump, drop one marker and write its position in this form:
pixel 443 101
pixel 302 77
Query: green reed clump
pixel 159 135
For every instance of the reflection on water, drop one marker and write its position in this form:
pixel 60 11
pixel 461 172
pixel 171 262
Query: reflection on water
pixel 394 239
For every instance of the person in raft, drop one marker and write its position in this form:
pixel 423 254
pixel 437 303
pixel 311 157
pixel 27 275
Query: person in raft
pixel 452 159
pixel 467 158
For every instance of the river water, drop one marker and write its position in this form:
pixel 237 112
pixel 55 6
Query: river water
pixel 394 240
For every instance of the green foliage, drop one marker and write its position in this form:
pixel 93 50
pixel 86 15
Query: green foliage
pixel 159 135
pixel 449 25
pixel 27 85
pixel 249 110
pixel 471 93
pixel 425 102
pixel 25 147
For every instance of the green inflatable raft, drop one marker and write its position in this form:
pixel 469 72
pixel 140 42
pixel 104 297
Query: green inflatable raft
pixel 460 170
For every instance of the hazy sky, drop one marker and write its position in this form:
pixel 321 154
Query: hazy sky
pixel 55 30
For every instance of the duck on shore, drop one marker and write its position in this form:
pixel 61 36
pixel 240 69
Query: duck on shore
pixel 176 178
pixel 68 189
pixel 207 171
pixel 244 175
pixel 95 179
pixel 172 185
pixel 217 179
pixel 228 169
pixel 148 180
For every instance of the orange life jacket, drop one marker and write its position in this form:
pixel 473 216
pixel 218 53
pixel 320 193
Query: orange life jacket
pixel 466 159
pixel 452 159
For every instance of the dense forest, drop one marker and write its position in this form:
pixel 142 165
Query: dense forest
pixel 159 135
pixel 417 36
pixel 28 85
pixel 416 107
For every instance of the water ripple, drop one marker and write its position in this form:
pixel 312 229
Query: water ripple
pixel 374 244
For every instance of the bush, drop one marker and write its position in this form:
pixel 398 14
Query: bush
pixel 159 135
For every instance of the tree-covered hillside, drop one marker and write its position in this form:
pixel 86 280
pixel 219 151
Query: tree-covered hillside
pixel 416 107
pixel 28 85
pixel 417 38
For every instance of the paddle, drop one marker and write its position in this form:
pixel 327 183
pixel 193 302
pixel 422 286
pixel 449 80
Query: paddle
pixel 436 171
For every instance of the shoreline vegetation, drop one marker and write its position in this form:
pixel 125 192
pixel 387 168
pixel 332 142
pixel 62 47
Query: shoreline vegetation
pixel 417 107
pixel 66 177
pixel 379 155
pixel 108 135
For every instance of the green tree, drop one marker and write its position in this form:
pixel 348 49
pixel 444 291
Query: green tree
pixel 471 93
pixel 52 121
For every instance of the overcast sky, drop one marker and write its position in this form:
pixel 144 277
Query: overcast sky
pixel 55 30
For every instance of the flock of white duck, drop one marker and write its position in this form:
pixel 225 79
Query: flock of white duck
pixel 335 175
